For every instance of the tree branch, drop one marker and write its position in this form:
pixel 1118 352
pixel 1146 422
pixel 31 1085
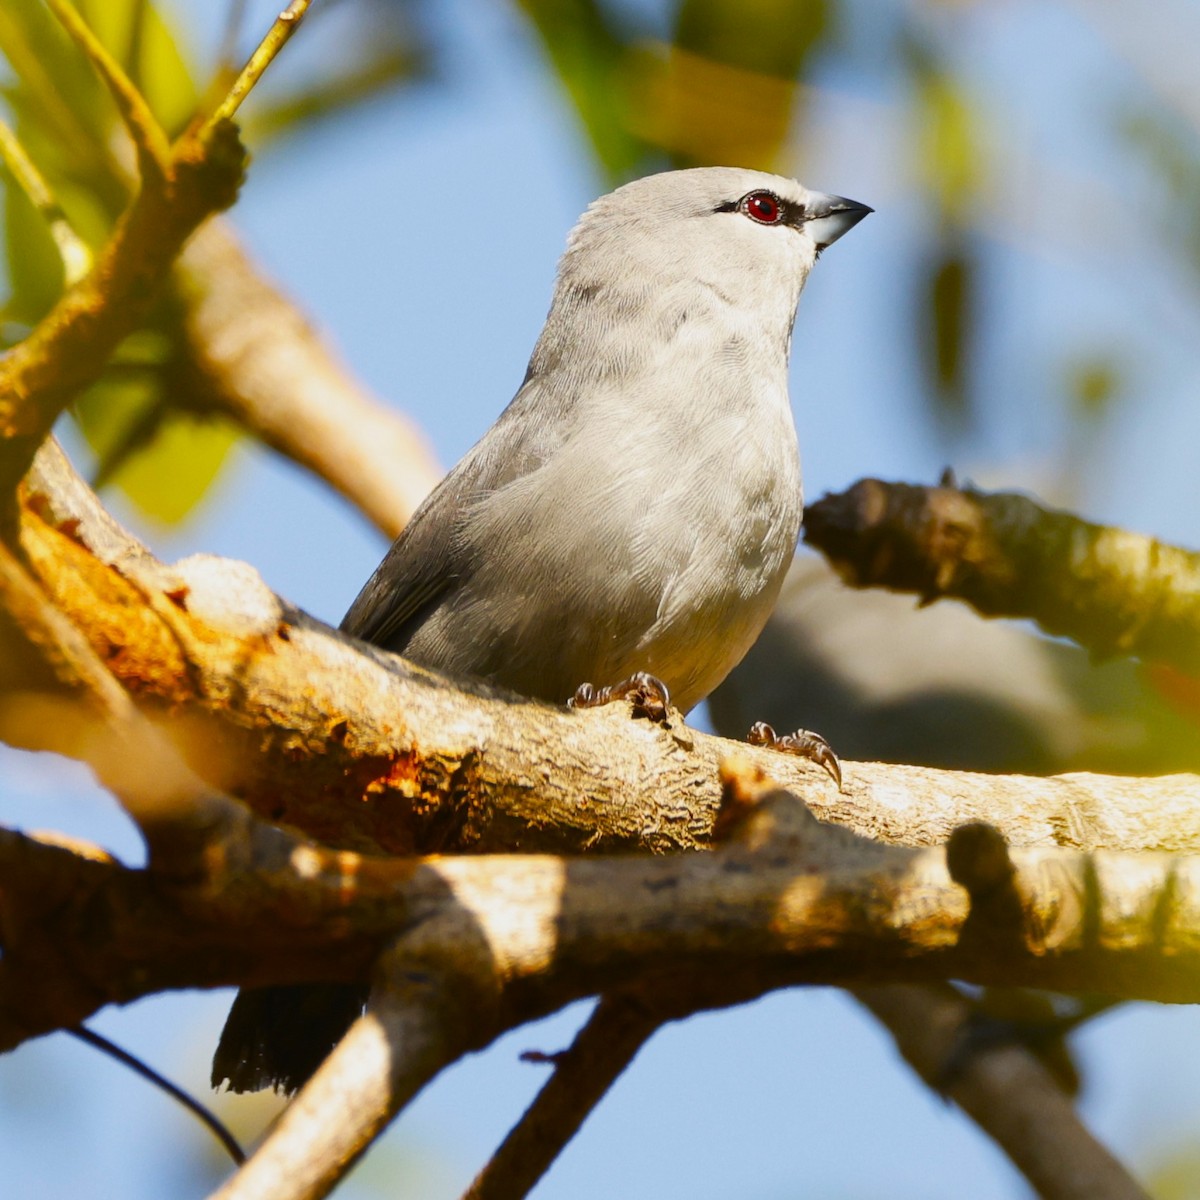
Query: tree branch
pixel 414 1029
pixel 277 37
pixel 618 1028
pixel 360 749
pixel 264 366
pixel 1112 591
pixel 788 901
pixel 1006 1091
pixel 476 769
pixel 180 186
pixel 149 141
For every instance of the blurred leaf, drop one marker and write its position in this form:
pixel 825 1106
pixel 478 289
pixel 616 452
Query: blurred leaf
pixel 1093 384
pixel 163 459
pixel 57 91
pixel 950 288
pixel 1176 1174
pixel 188 453
pixel 726 91
pixel 950 150
pixel 34 267
pixel 1171 147
pixel 141 42
pixel 588 47
pixel 384 70
pixel 770 37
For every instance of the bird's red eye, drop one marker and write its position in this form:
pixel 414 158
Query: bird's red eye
pixel 763 207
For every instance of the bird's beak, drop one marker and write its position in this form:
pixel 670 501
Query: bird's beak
pixel 828 217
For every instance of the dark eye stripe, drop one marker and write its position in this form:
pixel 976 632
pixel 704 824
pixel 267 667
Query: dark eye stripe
pixel 790 213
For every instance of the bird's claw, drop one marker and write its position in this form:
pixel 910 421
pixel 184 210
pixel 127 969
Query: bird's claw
pixel 803 743
pixel 647 693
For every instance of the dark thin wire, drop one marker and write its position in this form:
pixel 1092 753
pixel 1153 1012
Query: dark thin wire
pixel 194 1106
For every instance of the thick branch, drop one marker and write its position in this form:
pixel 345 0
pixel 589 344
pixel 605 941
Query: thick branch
pixel 1112 591
pixel 360 749
pixel 789 901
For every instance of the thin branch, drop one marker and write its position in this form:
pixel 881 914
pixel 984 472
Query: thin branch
pixel 207 1118
pixel 1112 591
pixel 1006 1091
pixel 608 1042
pixel 265 366
pixel 277 37
pixel 75 253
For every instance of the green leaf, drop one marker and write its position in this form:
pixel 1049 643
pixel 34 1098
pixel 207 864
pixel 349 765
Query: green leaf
pixel 382 71
pixel 140 40
pixel 164 460
pixel 769 37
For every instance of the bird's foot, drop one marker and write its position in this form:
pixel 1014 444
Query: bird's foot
pixel 647 692
pixel 803 743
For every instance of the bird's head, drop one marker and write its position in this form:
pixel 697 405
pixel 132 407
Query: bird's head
pixel 738 232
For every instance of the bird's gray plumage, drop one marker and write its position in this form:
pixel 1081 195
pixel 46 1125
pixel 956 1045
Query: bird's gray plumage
pixel 636 505
pixel 634 508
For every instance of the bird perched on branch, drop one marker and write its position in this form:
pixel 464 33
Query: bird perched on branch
pixel 630 516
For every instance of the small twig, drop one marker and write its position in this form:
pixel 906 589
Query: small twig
pixel 72 249
pixel 277 37
pixel 210 1119
pixel 614 1033
pixel 150 142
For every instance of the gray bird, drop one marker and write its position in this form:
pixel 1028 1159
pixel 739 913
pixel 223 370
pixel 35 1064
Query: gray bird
pixel 633 510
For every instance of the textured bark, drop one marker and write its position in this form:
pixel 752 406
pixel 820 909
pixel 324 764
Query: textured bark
pixel 1110 590
pixel 359 749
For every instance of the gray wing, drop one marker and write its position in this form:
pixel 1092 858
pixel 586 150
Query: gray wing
pixel 430 558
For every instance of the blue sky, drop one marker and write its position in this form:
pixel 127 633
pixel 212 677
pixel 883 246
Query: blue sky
pixel 422 237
